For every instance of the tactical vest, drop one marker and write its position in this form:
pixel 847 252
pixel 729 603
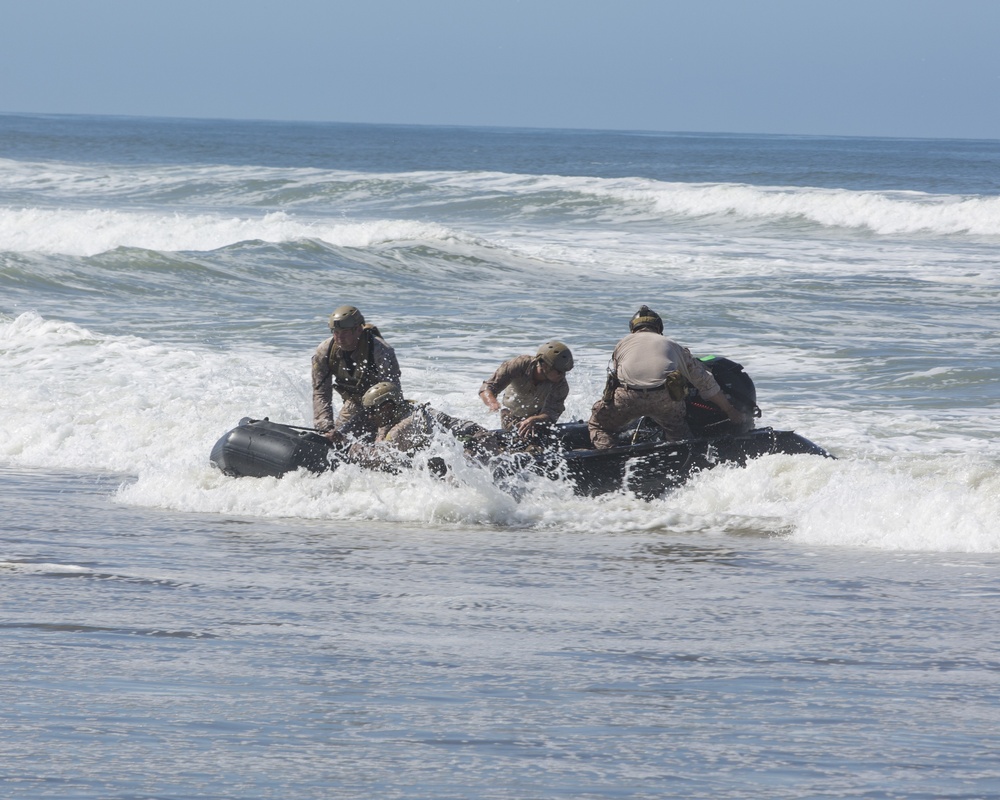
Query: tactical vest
pixel 524 406
pixel 352 383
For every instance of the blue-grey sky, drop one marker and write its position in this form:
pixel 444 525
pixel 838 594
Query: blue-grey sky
pixel 921 68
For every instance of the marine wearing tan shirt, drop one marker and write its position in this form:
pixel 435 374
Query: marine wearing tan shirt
pixel 534 388
pixel 649 375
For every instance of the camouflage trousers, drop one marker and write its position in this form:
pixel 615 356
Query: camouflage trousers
pixel 628 405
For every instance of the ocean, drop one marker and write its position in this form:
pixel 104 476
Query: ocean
pixel 799 628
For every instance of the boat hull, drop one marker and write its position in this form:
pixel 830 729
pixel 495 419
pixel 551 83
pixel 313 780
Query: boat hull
pixel 648 469
pixel 261 448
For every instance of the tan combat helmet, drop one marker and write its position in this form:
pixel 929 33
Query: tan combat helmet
pixel 557 355
pixel 381 393
pixel 346 317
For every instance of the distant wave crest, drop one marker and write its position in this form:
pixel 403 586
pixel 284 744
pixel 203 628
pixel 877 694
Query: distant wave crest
pixel 82 210
pixel 880 212
pixel 89 232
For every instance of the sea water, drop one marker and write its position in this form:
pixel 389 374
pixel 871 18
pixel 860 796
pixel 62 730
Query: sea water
pixel 802 627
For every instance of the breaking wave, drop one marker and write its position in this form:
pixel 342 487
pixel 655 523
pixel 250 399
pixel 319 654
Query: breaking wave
pixel 83 211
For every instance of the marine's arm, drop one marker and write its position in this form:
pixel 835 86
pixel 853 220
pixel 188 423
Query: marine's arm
pixel 708 387
pixel 322 391
pixel 495 384
pixel 489 398
pixel 734 414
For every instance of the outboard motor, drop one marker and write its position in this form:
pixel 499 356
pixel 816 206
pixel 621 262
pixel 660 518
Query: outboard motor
pixel 705 418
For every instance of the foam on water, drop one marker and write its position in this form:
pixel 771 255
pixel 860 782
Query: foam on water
pixel 898 503
pixel 82 400
pixel 87 400
pixel 828 296
pixel 799 627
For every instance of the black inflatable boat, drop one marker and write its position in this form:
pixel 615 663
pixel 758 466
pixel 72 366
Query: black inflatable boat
pixel 646 465
pixel 642 462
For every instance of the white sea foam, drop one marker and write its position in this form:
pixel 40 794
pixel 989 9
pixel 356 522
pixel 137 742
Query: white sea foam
pixel 899 503
pixel 80 400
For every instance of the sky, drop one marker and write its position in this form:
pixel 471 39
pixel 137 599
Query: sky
pixel 909 68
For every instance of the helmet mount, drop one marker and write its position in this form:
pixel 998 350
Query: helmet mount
pixel 645 319
pixel 346 317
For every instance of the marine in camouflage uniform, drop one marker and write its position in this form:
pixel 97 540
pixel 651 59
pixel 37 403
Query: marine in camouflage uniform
pixel 351 361
pixel 649 377
pixel 534 388
pixel 405 428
